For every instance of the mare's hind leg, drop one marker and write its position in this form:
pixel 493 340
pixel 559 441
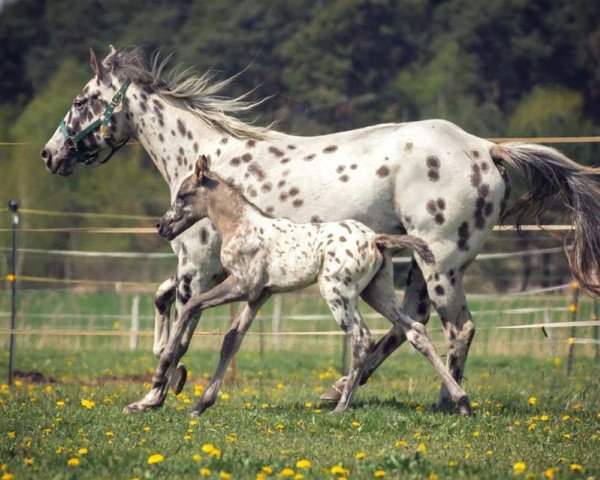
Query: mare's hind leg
pixel 448 297
pixel 416 305
pixel 380 295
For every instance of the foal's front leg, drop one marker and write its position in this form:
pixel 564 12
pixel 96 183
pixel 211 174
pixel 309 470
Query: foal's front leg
pixel 231 344
pixel 226 292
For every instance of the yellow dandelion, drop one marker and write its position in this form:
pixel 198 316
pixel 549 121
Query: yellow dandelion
pixel 557 361
pixel 11 434
pixel 360 455
pixel 73 462
pixel 303 463
pixel 196 457
pixel 475 434
pixel 268 470
pixel 489 452
pixel 433 476
pixel 355 424
pixel 286 472
pixel 205 472
pixel 155 458
pixel 28 461
pixel 8 476
pixel 109 434
pixel 89 404
pixel 379 473
pixel 422 448
pixel 260 476
pixel 208 447
pixel 308 404
pixel 224 396
pixel 549 474
pixel 474 404
pixel 225 475
pixel 519 467
pixel 575 467
pixel 532 401
pixel 299 476
pixel 567 436
pixel 339 470
pixel 60 403
pixel 82 451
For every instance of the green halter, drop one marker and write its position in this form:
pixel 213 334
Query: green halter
pixel 102 122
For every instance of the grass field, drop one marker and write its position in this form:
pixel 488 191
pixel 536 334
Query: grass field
pixel 530 420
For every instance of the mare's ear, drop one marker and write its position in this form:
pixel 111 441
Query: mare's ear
pixel 97 67
pixel 201 167
pixel 111 59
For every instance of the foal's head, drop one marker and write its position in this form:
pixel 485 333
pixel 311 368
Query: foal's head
pixel 71 143
pixel 191 202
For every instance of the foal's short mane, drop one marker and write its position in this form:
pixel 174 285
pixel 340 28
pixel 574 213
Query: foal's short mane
pixel 196 94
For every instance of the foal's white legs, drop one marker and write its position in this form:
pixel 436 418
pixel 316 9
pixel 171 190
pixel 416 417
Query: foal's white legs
pixel 231 344
pixel 183 329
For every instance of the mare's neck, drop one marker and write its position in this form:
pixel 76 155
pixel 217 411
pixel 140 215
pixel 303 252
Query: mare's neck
pixel 171 135
pixel 228 209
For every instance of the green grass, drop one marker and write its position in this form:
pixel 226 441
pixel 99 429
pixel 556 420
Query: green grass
pixel 267 422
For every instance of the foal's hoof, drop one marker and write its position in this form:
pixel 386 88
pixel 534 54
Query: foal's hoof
pixel 334 393
pixel 179 379
pixel 137 407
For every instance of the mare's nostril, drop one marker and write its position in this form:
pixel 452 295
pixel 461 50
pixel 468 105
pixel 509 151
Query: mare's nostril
pixel 46 156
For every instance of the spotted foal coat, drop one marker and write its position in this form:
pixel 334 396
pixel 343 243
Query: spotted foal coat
pixel 265 255
pixel 430 179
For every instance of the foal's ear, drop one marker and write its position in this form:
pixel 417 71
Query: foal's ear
pixel 97 67
pixel 111 59
pixel 201 167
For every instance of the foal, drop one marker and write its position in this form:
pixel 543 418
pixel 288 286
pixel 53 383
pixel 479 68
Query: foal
pixel 265 255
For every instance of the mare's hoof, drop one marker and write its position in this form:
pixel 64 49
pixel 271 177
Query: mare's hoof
pixel 334 393
pixel 464 407
pixel 179 379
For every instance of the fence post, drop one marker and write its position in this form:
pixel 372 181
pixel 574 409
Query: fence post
pixel 596 330
pixel 277 322
pixel 13 206
pixel 573 309
pixel 135 322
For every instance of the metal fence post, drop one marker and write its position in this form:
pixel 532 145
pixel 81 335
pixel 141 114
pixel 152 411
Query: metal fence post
pixel 573 309
pixel 13 206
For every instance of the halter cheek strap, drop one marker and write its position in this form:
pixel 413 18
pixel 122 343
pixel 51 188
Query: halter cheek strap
pixel 102 122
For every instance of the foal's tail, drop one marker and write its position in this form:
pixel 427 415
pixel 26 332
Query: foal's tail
pixel 550 174
pixel 395 243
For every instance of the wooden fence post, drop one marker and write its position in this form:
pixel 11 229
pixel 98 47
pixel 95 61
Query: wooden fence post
pixel 13 206
pixel 135 322
pixel 573 309
pixel 277 322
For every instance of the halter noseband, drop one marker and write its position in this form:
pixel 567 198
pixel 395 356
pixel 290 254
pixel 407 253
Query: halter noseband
pixel 102 122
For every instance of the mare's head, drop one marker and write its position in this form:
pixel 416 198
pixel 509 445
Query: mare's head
pixel 91 126
pixel 190 204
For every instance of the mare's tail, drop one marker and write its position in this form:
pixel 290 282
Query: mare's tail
pixel 550 174
pixel 395 243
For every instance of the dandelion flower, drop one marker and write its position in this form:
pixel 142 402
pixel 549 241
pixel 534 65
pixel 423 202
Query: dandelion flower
pixel 224 396
pixel 268 470
pixel 360 455
pixel 549 474
pixel 8 476
pixel 422 448
pixel 575 467
pixel 433 476
pixel 60 403
pixel 82 451
pixel 532 401
pixel 28 461
pixel 155 458
pixel 225 475
pixel 519 467
pixel 339 470
pixel 89 404
pixel 205 472
pixel 489 452
pixel 73 462
pixel 379 473
pixel 304 463
pixel 544 418
pixel 286 472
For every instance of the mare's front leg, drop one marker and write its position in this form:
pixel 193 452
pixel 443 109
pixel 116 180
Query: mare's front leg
pixel 226 292
pixel 231 344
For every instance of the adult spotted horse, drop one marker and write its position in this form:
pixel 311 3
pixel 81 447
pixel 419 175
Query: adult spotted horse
pixel 428 178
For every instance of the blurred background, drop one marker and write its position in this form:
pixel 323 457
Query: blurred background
pixel 499 68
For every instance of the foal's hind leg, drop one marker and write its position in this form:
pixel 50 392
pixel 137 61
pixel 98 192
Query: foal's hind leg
pixel 416 305
pixel 380 295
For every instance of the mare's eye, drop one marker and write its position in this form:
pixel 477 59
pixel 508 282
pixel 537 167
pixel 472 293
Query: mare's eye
pixel 79 103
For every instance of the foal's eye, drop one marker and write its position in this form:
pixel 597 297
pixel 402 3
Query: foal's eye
pixel 79 103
